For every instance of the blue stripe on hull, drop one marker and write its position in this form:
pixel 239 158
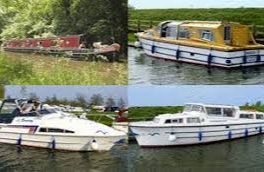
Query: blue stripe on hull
pixel 228 60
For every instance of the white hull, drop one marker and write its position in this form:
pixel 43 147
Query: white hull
pixel 70 143
pixel 201 55
pixel 121 126
pixel 174 136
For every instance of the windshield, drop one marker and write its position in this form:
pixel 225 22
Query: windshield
pixel 214 111
pixel 8 107
pixel 195 108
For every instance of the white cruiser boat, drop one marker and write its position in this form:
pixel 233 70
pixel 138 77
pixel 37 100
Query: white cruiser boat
pixel 47 127
pixel 198 123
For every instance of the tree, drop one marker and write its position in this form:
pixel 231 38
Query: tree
pixel 2 91
pixel 258 103
pixel 81 100
pixel 33 96
pixel 98 20
pixel 23 91
pixel 97 100
pixel 121 103
pixel 110 102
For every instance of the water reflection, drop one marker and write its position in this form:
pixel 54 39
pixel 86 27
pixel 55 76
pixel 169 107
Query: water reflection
pixel 148 70
pixel 238 155
pixel 14 158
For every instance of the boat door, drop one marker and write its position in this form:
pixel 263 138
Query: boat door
pixel 227 34
pixel 8 111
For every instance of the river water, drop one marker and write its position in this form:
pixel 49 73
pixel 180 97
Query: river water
pixel 148 70
pixel 242 155
pixel 13 158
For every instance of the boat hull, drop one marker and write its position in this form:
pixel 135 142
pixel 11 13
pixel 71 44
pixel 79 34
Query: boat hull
pixel 176 136
pixel 59 142
pixel 202 56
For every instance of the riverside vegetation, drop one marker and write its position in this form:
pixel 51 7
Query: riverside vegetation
pixel 248 16
pixel 24 69
pixel 141 113
pixel 97 20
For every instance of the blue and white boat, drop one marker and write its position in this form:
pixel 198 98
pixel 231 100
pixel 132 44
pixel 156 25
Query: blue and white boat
pixel 198 124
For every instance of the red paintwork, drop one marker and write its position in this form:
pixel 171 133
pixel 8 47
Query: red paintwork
pixel 57 42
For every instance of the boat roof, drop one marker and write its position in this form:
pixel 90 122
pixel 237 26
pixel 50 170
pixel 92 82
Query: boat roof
pixel 211 105
pixel 204 24
pixel 176 115
pixel 213 25
pixel 251 111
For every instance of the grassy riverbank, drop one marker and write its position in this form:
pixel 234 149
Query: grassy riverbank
pixel 28 69
pixel 2 91
pixel 248 16
pixel 243 15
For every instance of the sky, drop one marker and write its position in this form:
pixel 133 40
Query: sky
pixel 68 92
pixel 149 95
pixel 181 94
pixel 157 4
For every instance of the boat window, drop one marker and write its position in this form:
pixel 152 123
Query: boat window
pixel 163 31
pixel 259 116
pixel 179 120
pixel 227 33
pixel 213 111
pixel 187 108
pixel 168 121
pixel 193 120
pixel 68 131
pixel 247 116
pixel 183 33
pixel 171 32
pixel 228 112
pixel 8 107
pixel 54 130
pixel 196 108
pixel 207 35
pixel 43 130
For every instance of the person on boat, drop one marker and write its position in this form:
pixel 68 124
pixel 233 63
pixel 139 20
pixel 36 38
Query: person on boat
pixel 121 117
pixel 82 45
pixel 26 108
pixel 36 106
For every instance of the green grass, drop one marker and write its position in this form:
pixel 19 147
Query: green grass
pixel 247 16
pixel 150 112
pixel 2 91
pixel 101 119
pixel 242 15
pixel 26 69
pixel 131 37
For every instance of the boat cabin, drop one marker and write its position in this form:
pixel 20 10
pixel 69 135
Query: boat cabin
pixel 212 32
pixel 177 119
pixel 211 110
pixel 11 108
pixel 73 41
pixel 251 115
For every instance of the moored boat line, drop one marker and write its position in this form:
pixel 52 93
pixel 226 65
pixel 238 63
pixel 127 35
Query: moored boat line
pixel 72 46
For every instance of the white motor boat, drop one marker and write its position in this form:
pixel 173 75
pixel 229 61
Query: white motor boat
pixel 47 127
pixel 198 123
